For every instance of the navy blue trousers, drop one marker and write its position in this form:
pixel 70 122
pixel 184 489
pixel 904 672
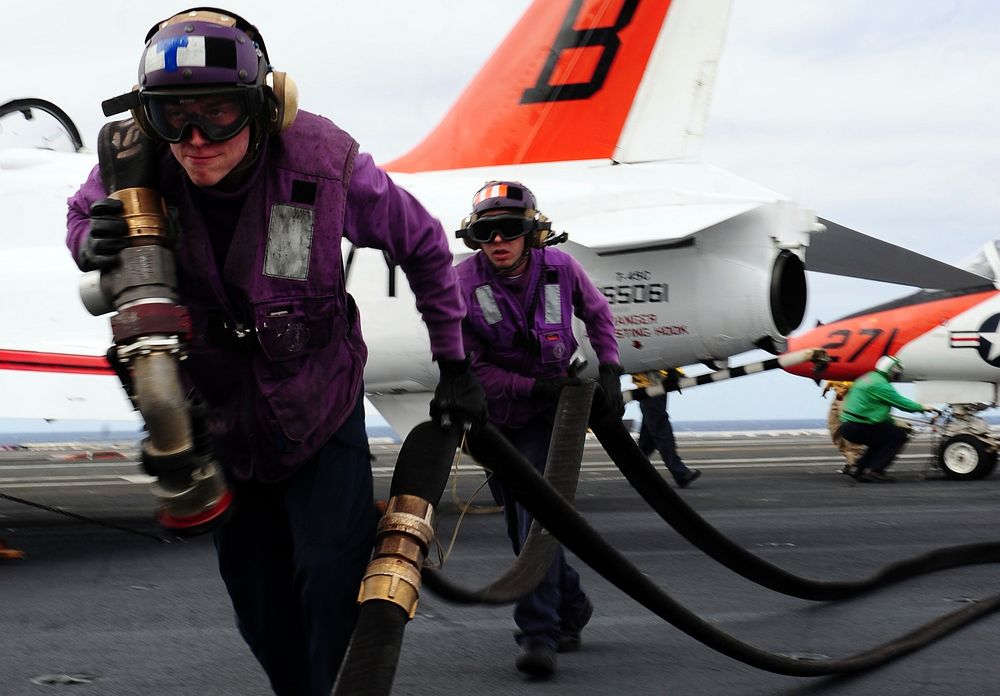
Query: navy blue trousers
pixel 657 433
pixel 292 558
pixel 558 595
pixel 884 441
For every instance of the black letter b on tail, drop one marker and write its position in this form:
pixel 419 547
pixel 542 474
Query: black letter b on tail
pixel 569 38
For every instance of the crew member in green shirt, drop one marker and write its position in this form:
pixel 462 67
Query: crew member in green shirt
pixel 866 419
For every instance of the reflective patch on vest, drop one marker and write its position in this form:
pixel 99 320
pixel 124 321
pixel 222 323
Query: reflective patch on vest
pixel 488 303
pixel 553 304
pixel 289 242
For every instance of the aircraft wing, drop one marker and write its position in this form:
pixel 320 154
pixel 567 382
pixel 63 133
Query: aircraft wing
pixel 846 252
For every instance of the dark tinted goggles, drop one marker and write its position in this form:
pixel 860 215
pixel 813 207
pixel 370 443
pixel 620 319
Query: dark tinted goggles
pixel 218 115
pixel 485 230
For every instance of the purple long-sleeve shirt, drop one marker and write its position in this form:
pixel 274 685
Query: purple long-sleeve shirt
pixel 517 332
pixel 305 376
pixel 379 214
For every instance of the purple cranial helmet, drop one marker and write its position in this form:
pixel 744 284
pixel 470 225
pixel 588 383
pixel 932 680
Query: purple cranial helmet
pixel 208 69
pixel 503 194
pixel 507 209
pixel 199 68
pixel 192 49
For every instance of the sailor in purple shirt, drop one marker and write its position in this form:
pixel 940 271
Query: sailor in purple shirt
pixel 263 194
pixel 521 296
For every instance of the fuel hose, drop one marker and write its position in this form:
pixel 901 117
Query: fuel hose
pixel 658 494
pixel 562 471
pixel 559 517
pixel 421 473
pixel 420 476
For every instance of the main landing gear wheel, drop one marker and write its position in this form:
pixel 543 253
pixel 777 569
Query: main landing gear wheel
pixel 965 457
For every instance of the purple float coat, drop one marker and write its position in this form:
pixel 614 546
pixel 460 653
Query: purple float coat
pixel 276 400
pixel 514 338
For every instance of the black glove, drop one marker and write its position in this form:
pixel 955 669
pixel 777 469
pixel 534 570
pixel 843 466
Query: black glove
pixel 548 390
pixel 608 378
pixel 108 235
pixel 459 397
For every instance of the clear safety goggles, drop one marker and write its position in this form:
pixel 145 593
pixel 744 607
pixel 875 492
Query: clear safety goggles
pixel 485 229
pixel 218 115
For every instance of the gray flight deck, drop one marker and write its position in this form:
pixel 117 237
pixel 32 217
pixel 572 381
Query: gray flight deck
pixel 122 614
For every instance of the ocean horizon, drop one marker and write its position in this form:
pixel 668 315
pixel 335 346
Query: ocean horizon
pixel 13 438
pixel 121 433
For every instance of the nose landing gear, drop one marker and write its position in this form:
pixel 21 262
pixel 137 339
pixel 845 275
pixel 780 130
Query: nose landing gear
pixel 966 449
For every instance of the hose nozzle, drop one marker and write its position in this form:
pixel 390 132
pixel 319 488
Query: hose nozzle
pixel 150 332
pixel 196 508
pixel 191 492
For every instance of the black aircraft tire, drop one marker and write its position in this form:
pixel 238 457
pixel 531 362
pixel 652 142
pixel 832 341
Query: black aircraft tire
pixel 965 457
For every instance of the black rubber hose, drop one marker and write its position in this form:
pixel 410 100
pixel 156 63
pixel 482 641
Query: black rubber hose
pixel 369 667
pixel 422 470
pixel 560 518
pixel 562 471
pixel 424 462
pixel 659 495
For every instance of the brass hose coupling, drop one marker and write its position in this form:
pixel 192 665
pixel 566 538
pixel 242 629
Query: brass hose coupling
pixel 144 212
pixel 402 539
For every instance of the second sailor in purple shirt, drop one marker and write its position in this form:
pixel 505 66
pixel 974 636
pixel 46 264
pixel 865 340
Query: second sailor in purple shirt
pixel 521 296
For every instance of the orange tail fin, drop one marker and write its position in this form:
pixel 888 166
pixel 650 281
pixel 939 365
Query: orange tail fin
pixel 563 83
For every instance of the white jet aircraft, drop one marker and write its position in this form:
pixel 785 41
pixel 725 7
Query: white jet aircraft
pixel 598 108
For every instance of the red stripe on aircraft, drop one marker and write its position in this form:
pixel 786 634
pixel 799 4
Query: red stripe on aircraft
pixel 54 362
pixel 965 341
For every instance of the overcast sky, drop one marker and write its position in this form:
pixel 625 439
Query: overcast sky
pixel 882 116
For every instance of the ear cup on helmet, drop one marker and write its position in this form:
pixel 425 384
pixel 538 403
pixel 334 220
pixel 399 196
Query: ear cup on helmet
pixel 543 227
pixel 284 106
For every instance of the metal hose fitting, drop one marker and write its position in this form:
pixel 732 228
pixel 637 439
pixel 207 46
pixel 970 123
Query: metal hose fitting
pixel 403 537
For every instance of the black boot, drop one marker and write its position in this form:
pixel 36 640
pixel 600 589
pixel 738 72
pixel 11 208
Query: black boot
pixel 569 631
pixel 537 659
pixel 684 480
